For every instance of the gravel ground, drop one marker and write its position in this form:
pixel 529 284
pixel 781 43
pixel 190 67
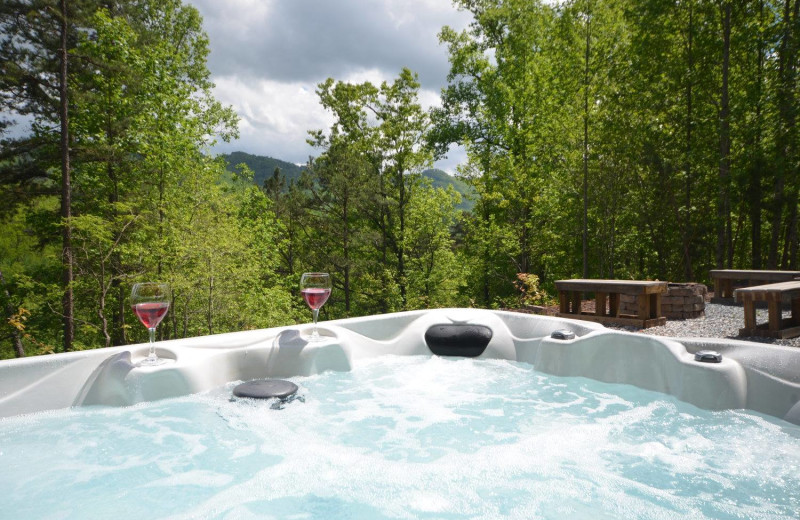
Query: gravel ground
pixel 720 321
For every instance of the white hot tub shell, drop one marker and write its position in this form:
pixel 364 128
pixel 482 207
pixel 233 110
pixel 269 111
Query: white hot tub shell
pixel 764 378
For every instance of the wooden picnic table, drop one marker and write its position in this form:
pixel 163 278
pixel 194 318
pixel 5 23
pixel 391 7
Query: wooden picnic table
pixel 607 301
pixel 775 294
pixel 725 278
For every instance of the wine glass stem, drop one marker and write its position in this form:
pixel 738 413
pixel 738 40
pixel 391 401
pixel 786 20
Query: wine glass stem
pixel 315 313
pixel 152 342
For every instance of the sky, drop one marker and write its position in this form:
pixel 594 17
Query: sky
pixel 267 57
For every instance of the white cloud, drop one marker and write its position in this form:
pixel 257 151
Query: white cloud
pixel 275 117
pixel 311 39
pixel 267 56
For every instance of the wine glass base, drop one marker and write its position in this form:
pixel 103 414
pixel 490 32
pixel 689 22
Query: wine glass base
pixel 153 361
pixel 315 337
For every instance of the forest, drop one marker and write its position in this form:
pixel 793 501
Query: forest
pixel 633 139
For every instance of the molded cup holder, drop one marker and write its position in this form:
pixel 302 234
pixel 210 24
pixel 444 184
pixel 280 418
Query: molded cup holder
pixel 137 356
pixel 324 334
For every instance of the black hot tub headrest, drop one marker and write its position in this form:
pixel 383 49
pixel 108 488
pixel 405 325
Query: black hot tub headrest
pixel 458 339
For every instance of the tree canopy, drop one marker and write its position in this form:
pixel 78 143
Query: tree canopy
pixel 647 139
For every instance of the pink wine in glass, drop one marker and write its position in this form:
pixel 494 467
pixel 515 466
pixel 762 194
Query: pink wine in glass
pixel 150 302
pixel 315 288
pixel 151 314
pixel 315 298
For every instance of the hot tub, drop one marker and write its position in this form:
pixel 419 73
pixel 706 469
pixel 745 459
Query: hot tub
pixel 758 377
pixel 519 416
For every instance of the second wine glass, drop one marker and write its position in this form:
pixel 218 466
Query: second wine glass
pixel 315 288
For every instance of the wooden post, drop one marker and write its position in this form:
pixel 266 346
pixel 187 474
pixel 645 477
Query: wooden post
pixel 613 305
pixel 563 302
pixel 728 288
pixel 600 303
pixel 795 311
pixel 774 304
pixel 749 312
pixel 655 305
pixel 644 306
pixel 576 302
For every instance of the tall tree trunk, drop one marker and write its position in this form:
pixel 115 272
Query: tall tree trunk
pixel 757 170
pixel 384 225
pixel 687 223
pixel 777 214
pixel 792 134
pixel 755 211
pixel 401 253
pixel 119 323
pixel 724 252
pixel 486 290
pixel 783 140
pixel 586 56
pixel 101 311
pixel 791 234
pixel 210 303
pixel 346 251
pixel 525 238
pixel 68 302
pixel 161 188
pixel 116 292
pixel 612 246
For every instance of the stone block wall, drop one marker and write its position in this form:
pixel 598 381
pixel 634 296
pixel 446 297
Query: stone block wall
pixel 681 301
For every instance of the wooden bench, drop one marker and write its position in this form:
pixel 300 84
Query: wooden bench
pixel 607 293
pixel 724 280
pixel 774 294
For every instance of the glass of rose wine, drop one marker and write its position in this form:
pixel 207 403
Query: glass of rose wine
pixel 150 302
pixel 315 288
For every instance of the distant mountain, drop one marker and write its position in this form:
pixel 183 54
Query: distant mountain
pixel 263 167
pixel 442 179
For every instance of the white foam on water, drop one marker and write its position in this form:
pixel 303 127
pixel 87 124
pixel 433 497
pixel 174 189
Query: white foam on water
pixel 203 478
pixel 409 437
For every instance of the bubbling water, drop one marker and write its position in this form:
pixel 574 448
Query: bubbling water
pixel 406 437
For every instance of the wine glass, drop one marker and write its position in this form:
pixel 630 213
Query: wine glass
pixel 150 302
pixel 315 288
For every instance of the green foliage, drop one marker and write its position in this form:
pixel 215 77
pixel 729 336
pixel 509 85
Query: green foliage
pixel 148 204
pixel 632 139
pixel 530 291
pixel 30 289
pixel 364 186
pixel 435 277
pixel 609 121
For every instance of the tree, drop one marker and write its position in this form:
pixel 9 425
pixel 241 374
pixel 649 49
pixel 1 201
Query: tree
pixel 141 116
pixel 66 183
pixel 393 151
pixel 402 128
pixel 290 204
pixel 36 37
pixel 724 238
pixel 339 195
pixel 785 187
pixel 435 275
pixel 222 256
pixel 508 101
pixel 144 115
